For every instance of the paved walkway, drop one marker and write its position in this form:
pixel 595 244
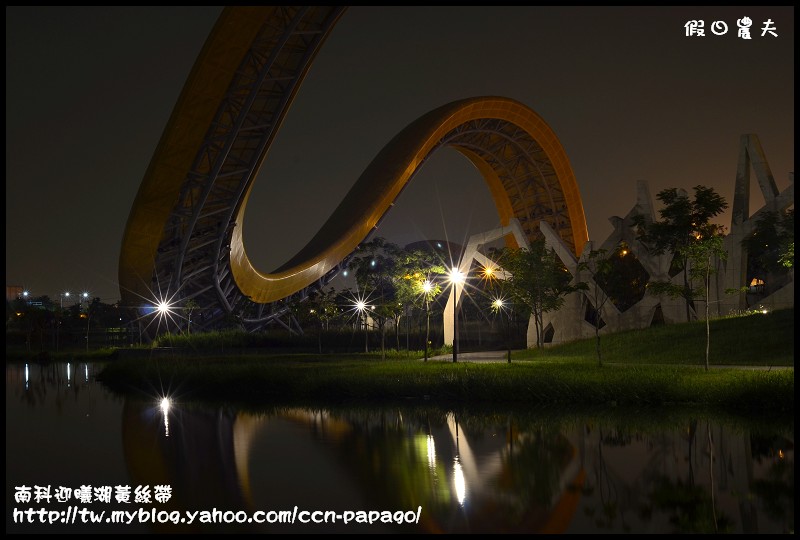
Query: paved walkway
pixel 483 356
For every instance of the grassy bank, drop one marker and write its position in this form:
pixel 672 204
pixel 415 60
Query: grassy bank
pixel 753 340
pixel 312 380
pixel 653 367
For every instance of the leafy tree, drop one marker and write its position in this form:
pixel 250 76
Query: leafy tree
pixel 770 247
pixel 190 307
pixel 322 309
pixel 538 280
pixel 416 268
pixel 682 221
pixel 787 259
pixel 599 267
pixel 702 256
pixel 375 265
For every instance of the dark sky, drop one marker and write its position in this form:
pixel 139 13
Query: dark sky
pixel 89 91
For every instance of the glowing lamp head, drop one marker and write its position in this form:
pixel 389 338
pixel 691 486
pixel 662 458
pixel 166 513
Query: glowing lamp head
pixel 456 276
pixel 427 286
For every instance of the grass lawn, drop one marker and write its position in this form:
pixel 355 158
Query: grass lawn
pixel 653 367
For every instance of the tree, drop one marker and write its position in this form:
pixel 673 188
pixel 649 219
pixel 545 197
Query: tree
pixel 375 264
pixel 682 221
pixel 322 308
pixel 538 280
pixel 416 268
pixel 599 267
pixel 702 256
pixel 91 309
pixel 770 247
pixel 190 307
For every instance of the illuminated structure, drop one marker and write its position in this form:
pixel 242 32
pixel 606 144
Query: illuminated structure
pixel 575 320
pixel 183 240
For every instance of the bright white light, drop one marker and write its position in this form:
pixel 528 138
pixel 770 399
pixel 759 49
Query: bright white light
pixel 165 405
pixel 163 308
pixel 460 482
pixel 498 303
pixel 27 375
pixel 456 276
pixel 427 286
pixel 25 293
pixel 344 273
pixel 431 453
pixel 361 305
pixel 85 295
pixel 86 372
pixel 764 311
pixel 69 369
pixel 66 294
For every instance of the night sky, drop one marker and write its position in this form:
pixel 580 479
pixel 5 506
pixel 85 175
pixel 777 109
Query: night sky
pixel 89 92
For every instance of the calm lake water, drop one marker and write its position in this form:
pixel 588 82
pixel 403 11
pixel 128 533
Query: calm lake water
pixel 507 471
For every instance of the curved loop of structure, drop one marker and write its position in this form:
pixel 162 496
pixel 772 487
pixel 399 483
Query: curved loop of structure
pixel 182 236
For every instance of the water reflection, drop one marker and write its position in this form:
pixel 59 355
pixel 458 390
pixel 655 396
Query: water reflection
pixel 473 473
pixel 508 471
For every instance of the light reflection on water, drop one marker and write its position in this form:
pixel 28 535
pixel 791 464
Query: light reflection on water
pixel 514 471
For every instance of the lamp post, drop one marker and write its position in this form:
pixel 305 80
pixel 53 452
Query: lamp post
pixel 58 319
pixel 427 286
pixel 455 277
pixel 85 297
pixel 497 305
pixel 361 306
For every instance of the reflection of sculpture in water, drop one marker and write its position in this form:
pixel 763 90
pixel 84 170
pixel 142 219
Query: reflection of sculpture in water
pixel 195 458
pixel 469 473
pixel 464 481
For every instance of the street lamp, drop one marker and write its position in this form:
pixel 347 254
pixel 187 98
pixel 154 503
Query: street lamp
pixel 427 287
pixel 455 277
pixel 361 306
pixel 85 296
pixel 497 306
pixel 58 319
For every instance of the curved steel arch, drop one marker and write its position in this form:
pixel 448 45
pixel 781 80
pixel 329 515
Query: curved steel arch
pixel 181 237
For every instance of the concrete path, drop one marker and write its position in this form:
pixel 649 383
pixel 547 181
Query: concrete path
pixel 483 356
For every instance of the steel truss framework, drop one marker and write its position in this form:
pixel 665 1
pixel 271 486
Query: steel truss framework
pixel 182 241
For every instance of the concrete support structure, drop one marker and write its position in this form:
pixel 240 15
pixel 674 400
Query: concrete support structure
pixel 472 254
pixel 570 323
